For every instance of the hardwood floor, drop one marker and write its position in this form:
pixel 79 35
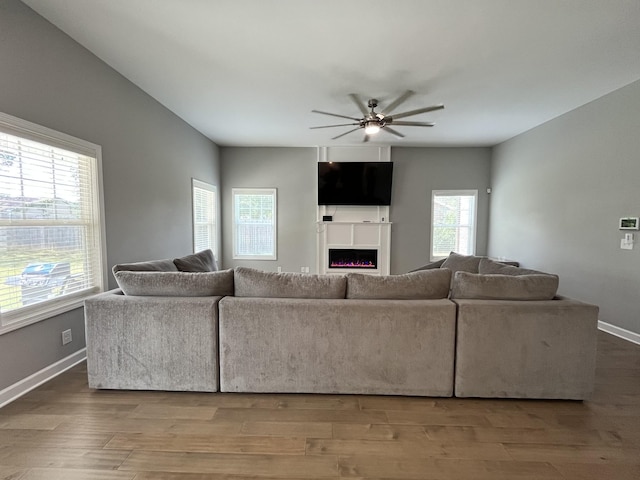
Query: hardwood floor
pixel 64 430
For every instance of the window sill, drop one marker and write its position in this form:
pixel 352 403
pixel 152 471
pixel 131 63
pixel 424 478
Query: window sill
pixel 38 313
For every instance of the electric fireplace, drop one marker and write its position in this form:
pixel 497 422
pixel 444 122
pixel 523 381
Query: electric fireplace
pixel 355 258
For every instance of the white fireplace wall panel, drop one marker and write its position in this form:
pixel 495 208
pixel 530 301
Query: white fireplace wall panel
pixel 356 227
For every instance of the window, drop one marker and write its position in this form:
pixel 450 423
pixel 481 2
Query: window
pixel 453 227
pixel 51 247
pixel 204 217
pixel 254 223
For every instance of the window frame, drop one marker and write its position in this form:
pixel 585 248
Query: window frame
pixel 473 230
pixel 254 191
pixel 44 310
pixel 213 225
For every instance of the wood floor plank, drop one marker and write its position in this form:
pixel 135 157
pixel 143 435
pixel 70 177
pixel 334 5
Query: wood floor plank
pixel 285 466
pixel 406 449
pixel 209 444
pixel 573 453
pixel 590 471
pixel 213 476
pixel 434 418
pixel 62 457
pixel 11 473
pixel 32 421
pixel 95 409
pixel 288 429
pixel 396 403
pixel 437 469
pixel 543 436
pixel 87 424
pixel 298 415
pixel 161 411
pixel 53 438
pixel 367 431
pixel 317 402
pixel 75 474
pixel 204 428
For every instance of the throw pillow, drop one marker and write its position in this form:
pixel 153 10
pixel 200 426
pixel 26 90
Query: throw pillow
pixel 488 266
pixel 152 266
pixel 250 282
pixel 429 266
pixel 203 261
pixel 504 287
pixel 461 263
pixel 425 284
pixel 176 284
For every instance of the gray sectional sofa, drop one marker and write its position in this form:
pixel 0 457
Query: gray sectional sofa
pixel 488 330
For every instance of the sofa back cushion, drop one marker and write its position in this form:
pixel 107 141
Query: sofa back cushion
pixel 175 284
pixel 203 261
pixel 504 287
pixel 424 284
pixel 429 266
pixel 488 266
pixel 152 266
pixel 250 282
pixel 461 263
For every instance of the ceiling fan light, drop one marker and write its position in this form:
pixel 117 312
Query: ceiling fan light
pixel 371 129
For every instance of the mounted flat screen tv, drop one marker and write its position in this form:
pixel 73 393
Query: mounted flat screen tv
pixel 354 183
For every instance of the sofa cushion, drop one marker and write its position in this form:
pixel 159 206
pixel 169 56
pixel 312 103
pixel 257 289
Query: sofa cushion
pixel 152 266
pixel 250 282
pixel 461 263
pixel 203 261
pixel 176 284
pixel 504 287
pixel 424 284
pixel 429 266
pixel 488 266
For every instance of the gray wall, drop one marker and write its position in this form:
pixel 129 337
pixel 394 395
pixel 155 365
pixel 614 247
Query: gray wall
pixel 418 171
pixel 293 172
pixel 558 193
pixel 149 157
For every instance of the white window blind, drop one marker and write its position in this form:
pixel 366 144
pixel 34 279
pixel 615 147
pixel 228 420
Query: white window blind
pixel 204 217
pixel 453 219
pixel 254 223
pixel 50 225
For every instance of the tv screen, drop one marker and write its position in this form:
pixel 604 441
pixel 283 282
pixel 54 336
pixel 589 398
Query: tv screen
pixel 354 183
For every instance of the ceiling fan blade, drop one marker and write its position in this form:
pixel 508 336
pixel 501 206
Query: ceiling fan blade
pixel 413 124
pixel 393 105
pixel 393 132
pixel 345 133
pixel 330 126
pixel 359 103
pixel 335 115
pixel 419 110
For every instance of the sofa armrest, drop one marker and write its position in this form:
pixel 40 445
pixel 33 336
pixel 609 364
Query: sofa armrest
pixel 526 349
pixel 152 343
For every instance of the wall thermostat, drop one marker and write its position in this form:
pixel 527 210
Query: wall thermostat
pixel 629 223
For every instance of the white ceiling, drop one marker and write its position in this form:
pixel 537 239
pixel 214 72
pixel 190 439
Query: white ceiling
pixel 249 72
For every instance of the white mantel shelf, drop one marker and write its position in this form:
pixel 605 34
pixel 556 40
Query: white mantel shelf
pixel 354 223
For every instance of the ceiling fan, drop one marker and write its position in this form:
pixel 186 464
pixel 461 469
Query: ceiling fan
pixel 373 121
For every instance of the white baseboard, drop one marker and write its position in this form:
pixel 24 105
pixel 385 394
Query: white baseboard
pixel 25 385
pixel 619 332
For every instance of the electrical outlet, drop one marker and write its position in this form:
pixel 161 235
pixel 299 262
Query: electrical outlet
pixel 66 337
pixel 279 269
